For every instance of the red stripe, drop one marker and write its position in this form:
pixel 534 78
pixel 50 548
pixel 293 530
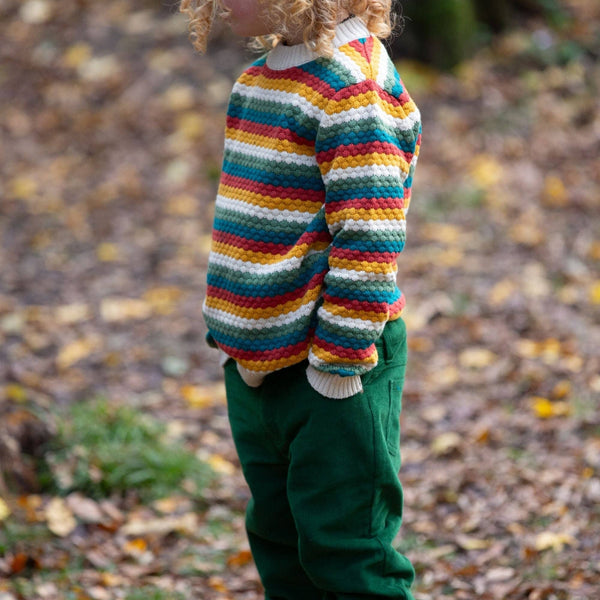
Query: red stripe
pixel 266 355
pixel 248 244
pixel 365 203
pixel 272 191
pixel 372 257
pixel 264 302
pixel 347 353
pixel 297 75
pixel 356 305
pixel 243 243
pixel 362 149
pixel 275 132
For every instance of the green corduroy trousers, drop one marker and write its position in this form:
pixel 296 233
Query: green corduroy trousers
pixel 326 499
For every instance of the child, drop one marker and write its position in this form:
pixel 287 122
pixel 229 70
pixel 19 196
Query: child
pixel 320 148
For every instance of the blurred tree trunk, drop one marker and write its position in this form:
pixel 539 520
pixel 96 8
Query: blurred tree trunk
pixel 445 32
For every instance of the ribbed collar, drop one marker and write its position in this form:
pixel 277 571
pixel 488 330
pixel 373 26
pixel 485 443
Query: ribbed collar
pixel 286 57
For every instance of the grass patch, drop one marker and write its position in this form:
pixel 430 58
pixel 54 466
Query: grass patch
pixel 101 450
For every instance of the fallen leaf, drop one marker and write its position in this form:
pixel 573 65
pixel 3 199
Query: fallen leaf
pixel 221 465
pixel 239 559
pixel 476 358
pixel 76 351
pixel 4 510
pixel 185 523
pixel 485 170
pixel 446 443
pixel 114 310
pixel 545 409
pixel 59 517
pixel 555 541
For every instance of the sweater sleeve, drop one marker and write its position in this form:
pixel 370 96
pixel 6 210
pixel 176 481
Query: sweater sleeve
pixel 367 148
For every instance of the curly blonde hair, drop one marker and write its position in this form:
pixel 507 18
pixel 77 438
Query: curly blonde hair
pixel 316 19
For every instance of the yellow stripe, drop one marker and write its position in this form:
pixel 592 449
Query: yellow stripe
pixel 270 143
pixel 329 358
pixel 362 266
pixel 363 315
pixel 262 313
pixel 285 85
pixel 273 365
pixel 263 258
pixel 365 160
pixel 303 206
pixel 371 98
pixel 364 214
pixel 358 59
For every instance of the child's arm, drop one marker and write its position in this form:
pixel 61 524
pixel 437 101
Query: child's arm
pixel 367 149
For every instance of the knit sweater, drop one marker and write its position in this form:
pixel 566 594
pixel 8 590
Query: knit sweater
pixel 310 212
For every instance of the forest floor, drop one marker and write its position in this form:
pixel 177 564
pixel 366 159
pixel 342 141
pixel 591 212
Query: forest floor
pixel 111 133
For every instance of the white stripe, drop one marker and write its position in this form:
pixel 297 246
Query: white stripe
pixel 348 322
pixel 349 64
pixel 249 324
pixel 245 266
pixel 272 214
pixel 370 170
pixel 374 111
pixel 271 154
pixel 350 275
pixel 285 98
pixel 374 225
pixel 383 66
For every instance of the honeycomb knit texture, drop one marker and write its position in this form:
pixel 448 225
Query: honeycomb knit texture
pixel 310 213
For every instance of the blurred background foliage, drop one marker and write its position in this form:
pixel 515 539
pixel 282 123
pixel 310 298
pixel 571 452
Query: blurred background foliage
pixel 118 477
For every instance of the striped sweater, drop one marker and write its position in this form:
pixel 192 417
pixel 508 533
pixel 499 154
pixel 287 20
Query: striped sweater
pixel 310 213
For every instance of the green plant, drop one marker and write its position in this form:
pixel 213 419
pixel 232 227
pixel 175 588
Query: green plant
pixel 152 593
pixel 101 449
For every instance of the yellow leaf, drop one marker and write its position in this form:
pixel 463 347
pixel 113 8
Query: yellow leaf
pixel 501 292
pixel 191 125
pixel 107 252
pixel 75 351
pixel 485 170
pixel 4 510
pixel 136 546
pixel 22 188
pixel 562 389
pixel 15 392
pixel 77 54
pixel 59 518
pixel 123 309
pixel 72 313
pixel 446 443
pixel 555 192
pixel 556 541
pixel 594 293
pixel 179 97
pixel 544 409
pixel 218 584
pixel 445 233
pixel 470 543
pixel 201 397
pixel 221 465
pixel 477 358
pixel 163 299
pixel 182 205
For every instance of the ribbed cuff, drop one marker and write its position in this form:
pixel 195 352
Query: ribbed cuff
pixel 251 378
pixel 333 386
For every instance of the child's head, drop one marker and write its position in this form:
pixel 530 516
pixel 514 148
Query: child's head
pixel 270 21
